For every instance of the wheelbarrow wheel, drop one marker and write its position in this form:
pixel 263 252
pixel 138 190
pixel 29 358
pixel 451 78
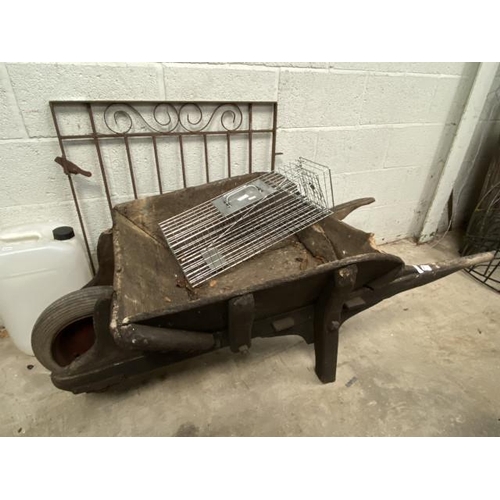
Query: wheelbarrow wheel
pixel 65 329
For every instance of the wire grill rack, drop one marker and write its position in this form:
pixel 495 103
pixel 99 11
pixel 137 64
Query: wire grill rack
pixel 216 235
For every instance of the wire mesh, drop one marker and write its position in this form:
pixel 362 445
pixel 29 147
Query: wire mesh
pixel 483 231
pixel 216 235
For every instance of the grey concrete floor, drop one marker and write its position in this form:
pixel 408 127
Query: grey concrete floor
pixel 424 363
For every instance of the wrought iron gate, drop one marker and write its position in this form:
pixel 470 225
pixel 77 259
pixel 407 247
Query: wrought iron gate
pixel 177 144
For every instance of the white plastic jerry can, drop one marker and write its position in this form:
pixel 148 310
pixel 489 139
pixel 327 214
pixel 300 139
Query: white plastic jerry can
pixel 39 263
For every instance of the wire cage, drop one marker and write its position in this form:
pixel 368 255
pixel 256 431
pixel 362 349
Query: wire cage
pixel 216 235
pixel 483 231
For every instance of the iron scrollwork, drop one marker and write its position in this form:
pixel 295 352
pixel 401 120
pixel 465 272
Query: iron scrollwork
pixel 123 118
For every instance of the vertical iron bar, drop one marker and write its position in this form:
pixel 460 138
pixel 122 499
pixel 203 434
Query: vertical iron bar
pixel 130 167
pixel 182 162
pixel 207 170
pixel 157 162
pixel 229 155
pixel 99 156
pixel 250 137
pixel 73 192
pixel 275 121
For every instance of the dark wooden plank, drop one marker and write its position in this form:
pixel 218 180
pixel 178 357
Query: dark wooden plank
pixel 145 275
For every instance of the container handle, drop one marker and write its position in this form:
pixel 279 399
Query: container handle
pixel 12 238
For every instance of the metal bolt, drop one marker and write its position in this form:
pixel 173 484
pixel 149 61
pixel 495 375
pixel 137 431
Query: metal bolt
pixel 334 325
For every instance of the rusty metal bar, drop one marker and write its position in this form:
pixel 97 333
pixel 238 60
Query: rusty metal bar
pixel 131 168
pixel 273 149
pixel 182 161
pixel 207 170
pixel 250 109
pixel 73 192
pixel 157 163
pixel 99 156
pixel 164 134
pixel 229 155
pixel 102 102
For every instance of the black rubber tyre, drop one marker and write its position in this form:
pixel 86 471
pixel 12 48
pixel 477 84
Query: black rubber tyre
pixel 65 329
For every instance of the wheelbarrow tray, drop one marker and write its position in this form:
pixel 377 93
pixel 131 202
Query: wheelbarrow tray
pixel 306 285
pixel 149 282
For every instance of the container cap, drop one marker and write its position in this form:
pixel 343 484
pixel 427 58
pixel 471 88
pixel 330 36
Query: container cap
pixel 63 233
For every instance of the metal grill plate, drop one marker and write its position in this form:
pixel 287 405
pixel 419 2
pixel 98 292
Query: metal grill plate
pixel 216 235
pixel 242 197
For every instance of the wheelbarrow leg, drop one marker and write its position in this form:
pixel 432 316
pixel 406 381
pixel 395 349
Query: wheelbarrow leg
pixel 240 321
pixel 327 321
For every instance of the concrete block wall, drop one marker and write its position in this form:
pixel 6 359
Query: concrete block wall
pixel 383 128
pixel 483 145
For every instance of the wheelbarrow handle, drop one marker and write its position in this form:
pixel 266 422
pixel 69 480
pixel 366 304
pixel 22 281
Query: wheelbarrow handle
pixel 440 269
pixel 409 278
pixel 150 338
pixel 342 210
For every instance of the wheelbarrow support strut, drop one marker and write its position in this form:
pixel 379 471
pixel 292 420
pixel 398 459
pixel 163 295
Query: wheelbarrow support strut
pixel 327 321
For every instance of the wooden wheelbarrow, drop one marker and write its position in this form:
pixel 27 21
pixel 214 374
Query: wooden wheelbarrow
pixel 139 315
